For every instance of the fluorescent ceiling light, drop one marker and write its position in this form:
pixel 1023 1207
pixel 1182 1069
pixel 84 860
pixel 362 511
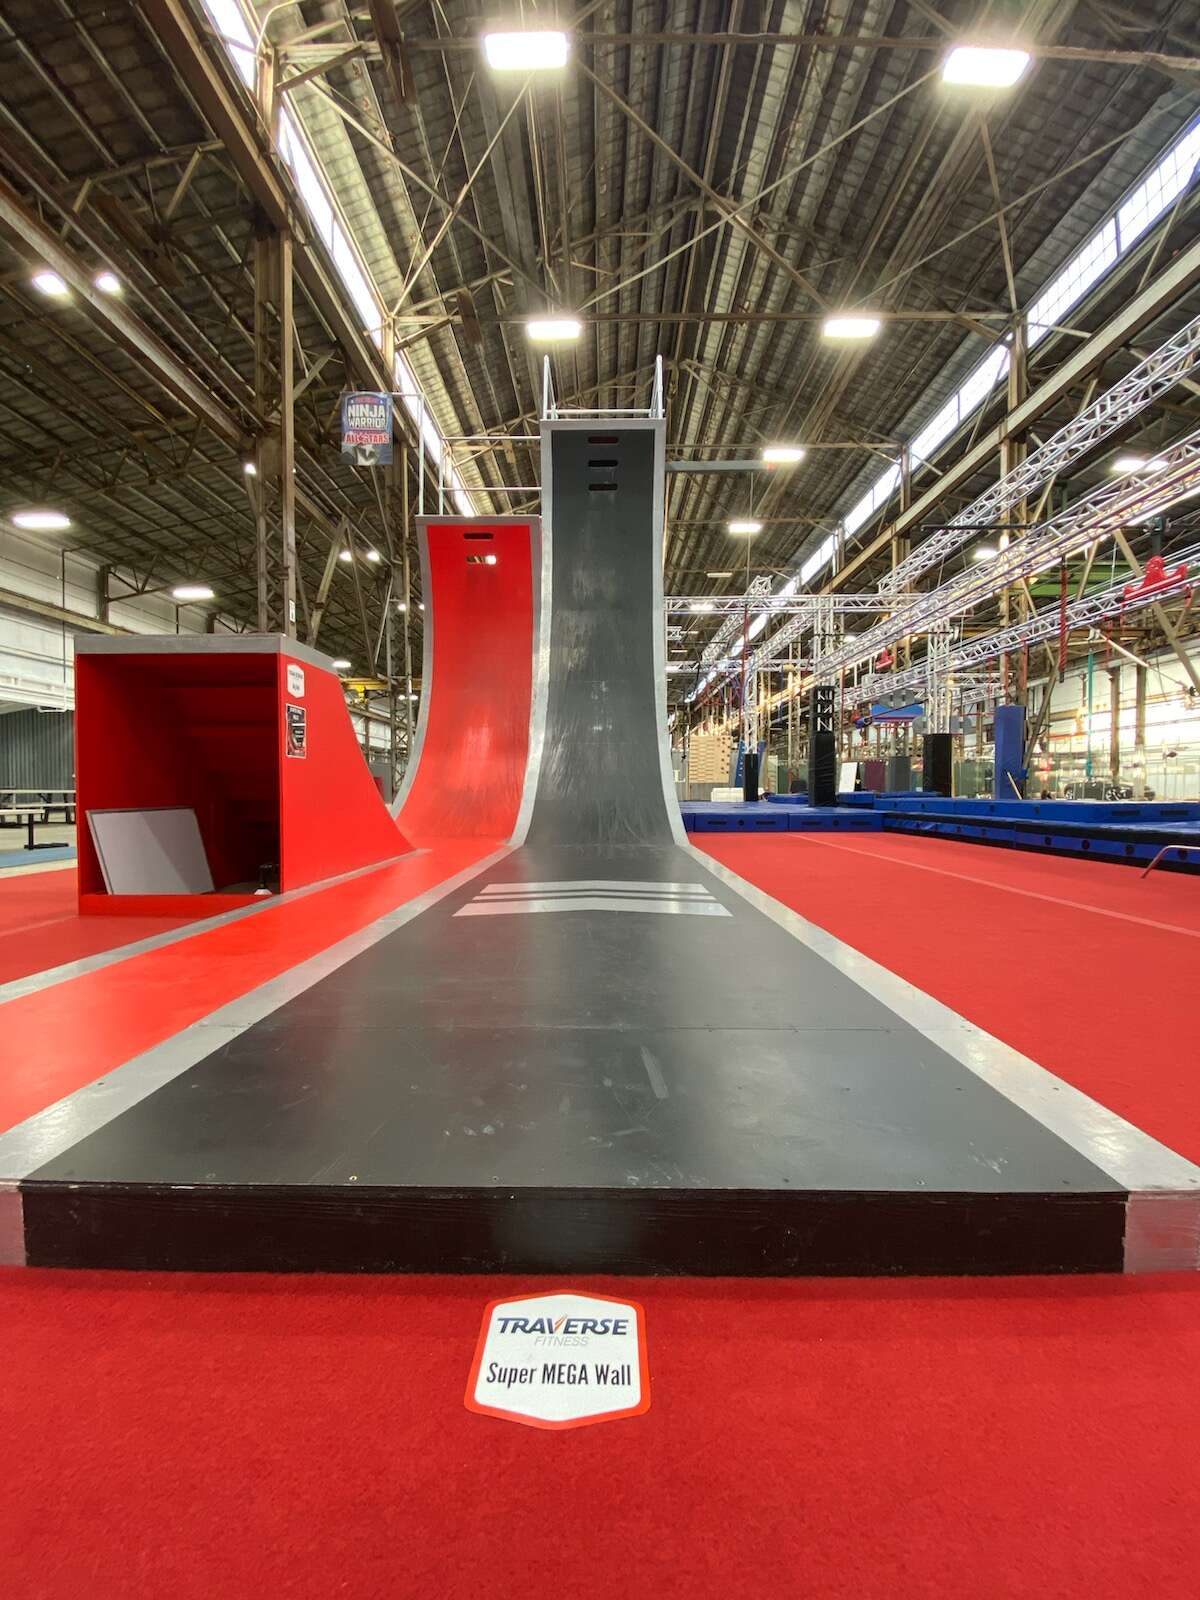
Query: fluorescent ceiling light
pixel 553 330
pixel 107 283
pixel 983 552
pixel 50 283
pixel 984 67
pixel 345 555
pixel 718 574
pixel 782 455
pixel 851 327
pixel 530 50
pixel 703 605
pixel 340 665
pixel 41 521
pixel 745 525
pixel 373 555
pixel 193 591
pixel 1137 464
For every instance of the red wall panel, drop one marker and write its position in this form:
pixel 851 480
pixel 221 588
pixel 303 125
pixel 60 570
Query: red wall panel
pixel 332 816
pixel 472 760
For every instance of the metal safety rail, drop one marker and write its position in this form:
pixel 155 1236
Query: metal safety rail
pixel 1160 371
pixel 1125 501
pixel 553 412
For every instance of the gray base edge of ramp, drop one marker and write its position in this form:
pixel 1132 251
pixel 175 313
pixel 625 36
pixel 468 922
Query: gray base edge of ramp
pixel 1162 1223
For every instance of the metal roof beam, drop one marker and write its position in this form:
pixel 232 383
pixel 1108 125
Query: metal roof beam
pixel 248 147
pixel 1156 298
pixel 120 323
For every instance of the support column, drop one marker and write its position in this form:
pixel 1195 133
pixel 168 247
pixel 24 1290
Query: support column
pixel 902 544
pixel 1114 731
pixel 1140 676
pixel 273 491
pixel 1012 453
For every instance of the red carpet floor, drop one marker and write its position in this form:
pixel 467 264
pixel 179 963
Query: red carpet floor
pixel 40 927
pixel 1088 968
pixel 299 1439
pixel 74 1032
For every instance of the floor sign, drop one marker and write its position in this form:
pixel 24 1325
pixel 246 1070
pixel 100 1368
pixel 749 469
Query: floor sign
pixel 560 1360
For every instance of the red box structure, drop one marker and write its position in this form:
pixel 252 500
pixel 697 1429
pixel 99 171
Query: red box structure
pixel 204 722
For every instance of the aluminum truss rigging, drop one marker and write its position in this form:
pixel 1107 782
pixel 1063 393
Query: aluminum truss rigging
pixel 1160 371
pixel 1165 367
pixel 805 605
pixel 1116 601
pixel 717 647
pixel 1174 474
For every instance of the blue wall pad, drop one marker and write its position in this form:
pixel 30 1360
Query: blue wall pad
pixel 869 799
pixel 716 817
pixel 1093 812
pixel 1010 751
pixel 709 816
pixel 835 819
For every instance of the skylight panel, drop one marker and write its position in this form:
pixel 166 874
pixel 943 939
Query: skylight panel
pixel 229 20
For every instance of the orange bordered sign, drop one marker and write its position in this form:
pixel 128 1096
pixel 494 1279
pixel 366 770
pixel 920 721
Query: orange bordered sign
pixel 560 1360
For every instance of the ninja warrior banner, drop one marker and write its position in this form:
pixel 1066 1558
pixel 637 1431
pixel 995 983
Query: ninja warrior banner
pixel 367 429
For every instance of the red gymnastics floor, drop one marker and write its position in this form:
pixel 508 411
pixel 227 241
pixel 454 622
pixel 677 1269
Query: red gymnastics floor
pixel 40 925
pixel 304 1438
pixel 1089 969
pixel 301 1438
pixel 60 1038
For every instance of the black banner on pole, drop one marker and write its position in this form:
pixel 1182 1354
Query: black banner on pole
pixel 822 745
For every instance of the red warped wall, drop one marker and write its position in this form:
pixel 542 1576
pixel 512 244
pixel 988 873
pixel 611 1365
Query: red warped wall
pixel 332 817
pixel 471 763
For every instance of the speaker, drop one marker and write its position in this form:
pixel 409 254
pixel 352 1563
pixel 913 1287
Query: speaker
pixel 938 752
pixel 750 775
pixel 822 745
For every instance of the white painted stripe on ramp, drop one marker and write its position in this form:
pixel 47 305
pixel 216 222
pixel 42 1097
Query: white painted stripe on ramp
pixel 690 906
pixel 617 885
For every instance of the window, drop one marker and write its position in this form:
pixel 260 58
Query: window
pixel 232 24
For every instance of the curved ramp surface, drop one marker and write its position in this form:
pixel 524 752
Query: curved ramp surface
pixel 472 741
pixel 597 1050
pixel 600 774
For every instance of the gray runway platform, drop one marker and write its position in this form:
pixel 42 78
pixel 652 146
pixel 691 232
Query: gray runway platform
pixel 599 1051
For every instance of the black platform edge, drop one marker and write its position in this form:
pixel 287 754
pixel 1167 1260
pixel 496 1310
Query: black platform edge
pixel 645 1232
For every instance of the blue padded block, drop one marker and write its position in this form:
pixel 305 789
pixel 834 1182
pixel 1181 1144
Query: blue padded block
pixel 708 816
pixel 827 819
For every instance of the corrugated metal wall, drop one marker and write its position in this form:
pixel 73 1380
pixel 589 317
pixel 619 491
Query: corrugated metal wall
pixel 37 750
